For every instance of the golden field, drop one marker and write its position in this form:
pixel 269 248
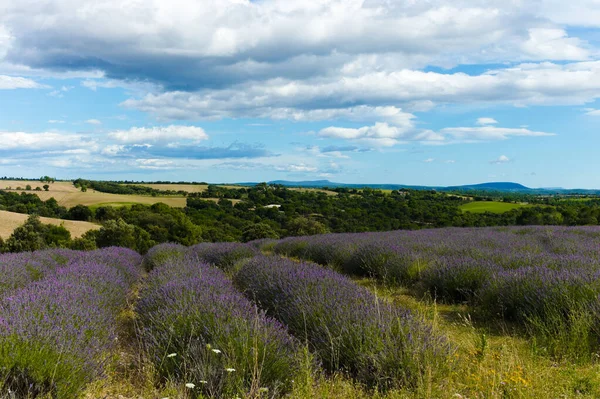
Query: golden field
pixel 10 220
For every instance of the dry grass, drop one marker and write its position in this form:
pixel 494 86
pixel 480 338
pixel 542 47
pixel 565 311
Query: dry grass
pixel 69 198
pixel 60 186
pixel 10 220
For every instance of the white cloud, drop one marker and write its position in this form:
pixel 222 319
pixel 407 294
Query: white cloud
pixel 501 159
pixel 12 82
pixel 485 133
pixel 486 121
pixel 592 112
pixel 554 44
pixel 323 98
pixel 155 164
pixel 41 141
pixel 296 168
pixel 166 134
pixel 429 160
pixel 56 121
pixel 93 122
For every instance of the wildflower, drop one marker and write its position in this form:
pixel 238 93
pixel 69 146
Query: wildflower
pixel 190 385
pixel 264 389
pixel 229 370
pixel 216 351
pixel 172 355
pixel 203 382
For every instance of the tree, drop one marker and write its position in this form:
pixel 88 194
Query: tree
pixel 46 187
pixel 80 212
pixel 28 187
pixel 119 233
pixel 257 231
pixel 302 226
pixel 34 235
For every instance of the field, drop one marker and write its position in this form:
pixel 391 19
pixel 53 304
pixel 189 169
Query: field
pixel 68 196
pixel 490 206
pixel 10 221
pixel 448 313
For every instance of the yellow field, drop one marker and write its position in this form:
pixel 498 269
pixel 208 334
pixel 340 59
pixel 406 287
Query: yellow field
pixel 60 186
pixel 10 221
pixel 68 196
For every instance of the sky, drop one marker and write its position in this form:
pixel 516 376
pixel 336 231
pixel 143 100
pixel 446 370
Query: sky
pixel 421 92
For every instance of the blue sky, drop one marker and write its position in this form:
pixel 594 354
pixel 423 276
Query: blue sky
pixel 356 91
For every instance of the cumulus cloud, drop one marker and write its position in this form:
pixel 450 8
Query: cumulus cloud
pixel 169 134
pixel 554 44
pixel 43 141
pixel 592 112
pixel 333 98
pixel 93 122
pixel 485 133
pixel 500 160
pixel 12 82
pixel 486 121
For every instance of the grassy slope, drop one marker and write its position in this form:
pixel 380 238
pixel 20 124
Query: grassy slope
pixel 10 220
pixel 490 206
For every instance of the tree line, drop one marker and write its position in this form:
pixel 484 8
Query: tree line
pixel 270 211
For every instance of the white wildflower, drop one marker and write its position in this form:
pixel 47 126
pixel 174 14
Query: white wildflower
pixel 216 350
pixel 229 370
pixel 172 355
pixel 190 385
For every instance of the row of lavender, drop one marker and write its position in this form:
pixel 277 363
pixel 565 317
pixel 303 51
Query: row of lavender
pixel 57 317
pixel 198 328
pixel 544 278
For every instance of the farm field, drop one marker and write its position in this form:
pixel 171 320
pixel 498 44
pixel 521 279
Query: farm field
pixel 68 195
pixel 447 313
pixel 10 221
pixel 490 206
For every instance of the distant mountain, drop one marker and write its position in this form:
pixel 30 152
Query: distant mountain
pixel 490 186
pixel 497 186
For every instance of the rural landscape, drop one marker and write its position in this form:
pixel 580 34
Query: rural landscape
pixel 299 199
pixel 124 296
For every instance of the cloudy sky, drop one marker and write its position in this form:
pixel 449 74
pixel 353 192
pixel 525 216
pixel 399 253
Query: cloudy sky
pixel 433 92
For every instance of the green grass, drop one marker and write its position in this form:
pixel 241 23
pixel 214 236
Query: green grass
pixel 490 206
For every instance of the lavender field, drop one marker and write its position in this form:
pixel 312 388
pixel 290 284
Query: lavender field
pixel 493 312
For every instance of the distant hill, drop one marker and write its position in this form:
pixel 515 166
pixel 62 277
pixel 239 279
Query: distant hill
pixel 490 186
pixel 498 186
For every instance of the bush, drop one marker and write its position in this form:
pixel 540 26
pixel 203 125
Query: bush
pixel 346 326
pixel 197 328
pixel 223 255
pixel 257 231
pixel 163 253
pixel 456 279
pixel 55 333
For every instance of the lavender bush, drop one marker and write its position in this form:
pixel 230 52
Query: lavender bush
pixel 223 255
pixel 55 333
pixel 542 278
pixel 198 329
pixel 346 326
pixel 162 253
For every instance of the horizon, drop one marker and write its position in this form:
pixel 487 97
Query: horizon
pixel 426 94
pixel 241 183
